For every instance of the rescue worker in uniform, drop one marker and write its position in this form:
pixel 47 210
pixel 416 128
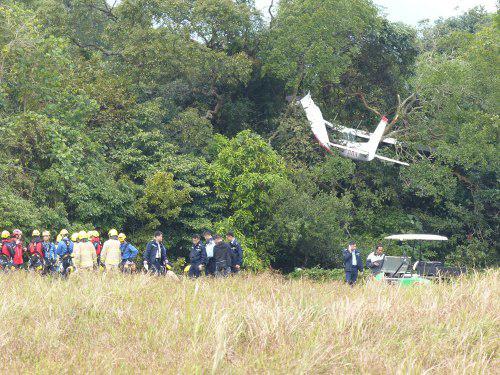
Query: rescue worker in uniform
pixel 96 241
pixel 49 250
pixel 7 250
pixel 64 251
pixel 197 257
pixel 17 243
pixel 129 253
pixel 236 252
pixel 84 255
pixel 111 254
pixel 35 247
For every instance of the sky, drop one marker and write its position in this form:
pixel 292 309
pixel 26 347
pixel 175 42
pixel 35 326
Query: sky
pixel 413 11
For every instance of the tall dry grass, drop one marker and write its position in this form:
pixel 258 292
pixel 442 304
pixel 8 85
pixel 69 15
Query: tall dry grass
pixel 248 324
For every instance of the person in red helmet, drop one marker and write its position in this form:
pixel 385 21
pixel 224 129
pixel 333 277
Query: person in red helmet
pixel 96 241
pixel 16 241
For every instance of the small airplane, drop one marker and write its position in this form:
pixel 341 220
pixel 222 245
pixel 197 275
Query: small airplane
pixel 363 151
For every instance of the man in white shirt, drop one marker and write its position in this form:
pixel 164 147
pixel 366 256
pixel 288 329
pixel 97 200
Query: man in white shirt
pixel 376 259
pixel 209 247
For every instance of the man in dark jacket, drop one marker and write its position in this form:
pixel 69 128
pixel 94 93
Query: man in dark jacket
pixel 155 256
pixel 222 257
pixel 236 253
pixel 197 257
pixel 352 263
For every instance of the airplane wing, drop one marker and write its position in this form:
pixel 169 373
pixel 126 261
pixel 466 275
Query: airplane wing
pixel 391 160
pixel 316 121
pixel 359 133
pixel 348 148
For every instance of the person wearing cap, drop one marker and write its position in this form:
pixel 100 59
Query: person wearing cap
pixel 209 248
pixel 352 263
pixel 84 255
pixel 49 249
pixel 111 253
pixel 129 253
pixel 236 252
pixel 65 246
pixel 222 257
pixel 197 257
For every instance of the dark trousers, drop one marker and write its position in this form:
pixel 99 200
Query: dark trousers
pixel 210 270
pixel 351 276
pixel 194 271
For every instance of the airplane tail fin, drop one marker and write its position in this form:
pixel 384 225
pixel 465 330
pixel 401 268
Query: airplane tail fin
pixel 376 137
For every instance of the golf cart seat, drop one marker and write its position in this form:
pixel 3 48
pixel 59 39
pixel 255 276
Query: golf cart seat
pixel 430 269
pixel 395 266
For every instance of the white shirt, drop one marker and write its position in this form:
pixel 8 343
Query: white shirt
pixel 158 251
pixel 209 247
pixel 375 258
pixel 354 258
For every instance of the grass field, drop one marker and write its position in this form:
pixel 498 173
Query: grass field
pixel 249 324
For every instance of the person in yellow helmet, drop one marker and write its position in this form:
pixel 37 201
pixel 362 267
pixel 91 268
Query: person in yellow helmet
pixel 129 253
pixel 111 253
pixel 84 255
pixel 6 254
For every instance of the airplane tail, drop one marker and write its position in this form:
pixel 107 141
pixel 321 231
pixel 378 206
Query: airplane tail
pixel 376 137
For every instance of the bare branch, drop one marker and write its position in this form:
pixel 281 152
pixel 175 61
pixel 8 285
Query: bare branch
pixel 269 10
pixel 365 103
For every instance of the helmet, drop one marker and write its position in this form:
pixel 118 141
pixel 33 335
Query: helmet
pixel 17 232
pixel 122 237
pixel 64 232
pixel 45 233
pixel 83 235
pixel 36 233
pixel 112 232
pixel 74 237
pixel 5 234
pixel 91 233
pixel 58 238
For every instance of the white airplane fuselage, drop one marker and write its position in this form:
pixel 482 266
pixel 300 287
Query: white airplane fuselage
pixel 351 154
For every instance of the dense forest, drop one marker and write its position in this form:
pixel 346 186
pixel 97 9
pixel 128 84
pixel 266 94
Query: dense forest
pixel 181 115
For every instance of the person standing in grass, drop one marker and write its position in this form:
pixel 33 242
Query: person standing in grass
pixel 209 248
pixel 352 263
pixel 155 256
pixel 222 257
pixel 197 257
pixel 111 255
pixel 84 256
pixel 236 253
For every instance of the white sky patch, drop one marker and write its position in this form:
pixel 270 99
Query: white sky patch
pixel 413 11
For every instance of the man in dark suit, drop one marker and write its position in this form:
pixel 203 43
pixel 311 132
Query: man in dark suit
pixel 155 256
pixel 352 263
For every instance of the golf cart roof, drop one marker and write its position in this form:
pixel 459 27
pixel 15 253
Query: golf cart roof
pixel 416 237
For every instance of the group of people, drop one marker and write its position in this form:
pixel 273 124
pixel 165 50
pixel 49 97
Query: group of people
pixel 354 264
pixel 85 251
